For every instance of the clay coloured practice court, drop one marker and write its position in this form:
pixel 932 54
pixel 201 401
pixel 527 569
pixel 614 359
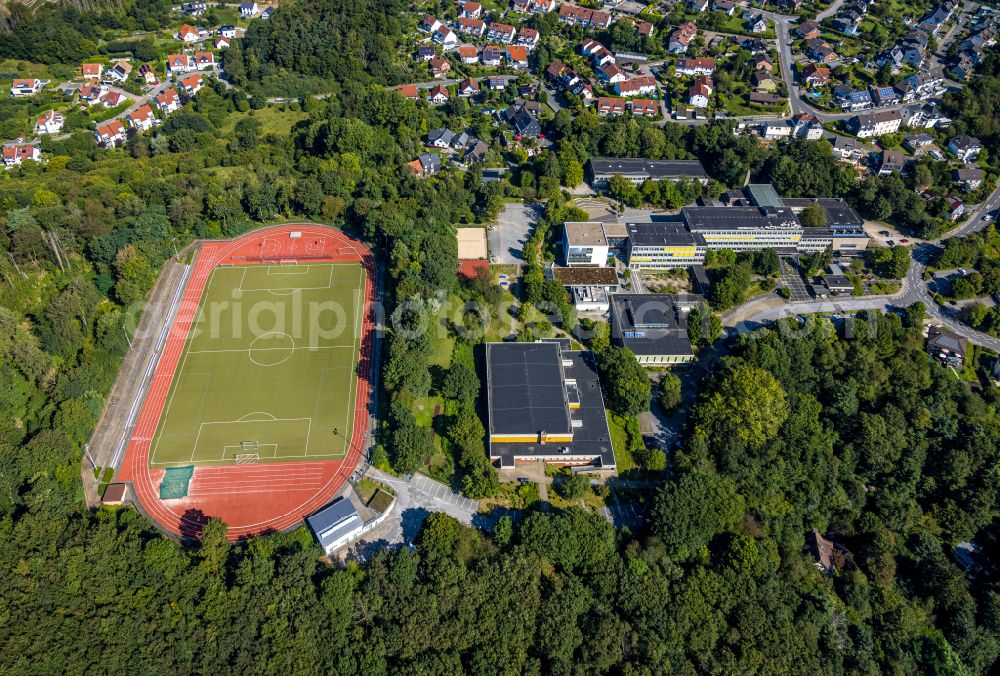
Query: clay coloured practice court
pixel 257 410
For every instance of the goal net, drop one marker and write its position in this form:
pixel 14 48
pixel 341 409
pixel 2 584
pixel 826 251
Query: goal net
pixel 247 459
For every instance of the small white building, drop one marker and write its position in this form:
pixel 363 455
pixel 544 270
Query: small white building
pixel 49 123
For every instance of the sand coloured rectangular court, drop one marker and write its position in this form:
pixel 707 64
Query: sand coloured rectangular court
pixel 268 371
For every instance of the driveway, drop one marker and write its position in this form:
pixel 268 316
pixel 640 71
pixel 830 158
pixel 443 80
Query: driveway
pixel 416 499
pixel 514 226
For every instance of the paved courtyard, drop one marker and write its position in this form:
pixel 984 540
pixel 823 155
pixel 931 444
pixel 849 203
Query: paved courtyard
pixel 514 226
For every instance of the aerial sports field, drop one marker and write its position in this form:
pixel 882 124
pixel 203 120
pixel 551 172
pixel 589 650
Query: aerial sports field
pixel 257 409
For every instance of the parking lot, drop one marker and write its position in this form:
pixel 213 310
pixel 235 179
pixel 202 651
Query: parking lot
pixel 792 280
pixel 514 226
pixel 441 493
pixel 623 515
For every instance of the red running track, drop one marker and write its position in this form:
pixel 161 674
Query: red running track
pixel 251 499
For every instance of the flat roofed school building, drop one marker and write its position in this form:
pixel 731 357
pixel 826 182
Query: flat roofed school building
pixel 637 170
pixel 654 246
pixel 653 326
pixel 545 403
pixel 584 243
pixel 745 228
pixel 336 524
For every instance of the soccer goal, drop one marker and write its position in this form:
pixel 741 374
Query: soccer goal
pixel 289 261
pixel 247 459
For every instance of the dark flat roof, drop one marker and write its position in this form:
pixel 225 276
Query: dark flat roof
pixel 608 166
pixel 838 213
pixel 527 394
pixel 333 521
pixel 663 234
pixel 740 218
pixel 591 438
pixel 649 324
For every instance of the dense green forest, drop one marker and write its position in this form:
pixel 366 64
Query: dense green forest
pixel 855 433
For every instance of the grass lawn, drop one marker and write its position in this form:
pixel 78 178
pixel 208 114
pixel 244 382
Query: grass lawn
pixel 272 119
pixel 619 443
pixel 249 384
pixel 423 409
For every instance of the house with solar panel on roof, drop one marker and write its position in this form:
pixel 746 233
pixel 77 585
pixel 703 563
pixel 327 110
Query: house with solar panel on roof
pixel 545 404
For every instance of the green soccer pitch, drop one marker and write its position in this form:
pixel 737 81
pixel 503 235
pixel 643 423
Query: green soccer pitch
pixel 268 372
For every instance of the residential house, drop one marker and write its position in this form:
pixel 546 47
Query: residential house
pixel 894 58
pixel 91 95
pixel 609 105
pixel 775 130
pixel 25 87
pixel 534 6
pixel 646 107
pixel 191 85
pixel 476 153
pixel 194 8
pixel 815 76
pixel 438 95
pixel 643 28
pixel 527 37
pixel 429 24
pixel 584 16
pixel 762 62
pixel 468 54
pixel 859 99
pixel 847 149
pixel 727 7
pixel 445 36
pixel 500 32
pixel 925 116
pixel 891 162
pixel 408 91
pixel 49 123
pixel 697 5
pixel 440 138
pixel 598 53
pixel 141 119
pixel 180 63
pixel 819 50
pixel 763 82
pixel 610 73
pixel 120 71
pixel 681 38
pixel 970 178
pixel 756 24
pixel 914 57
pixel 807 30
pixel 764 99
pixel 753 45
pixel 111 99
pixel 426 53
pixel 92 70
pixel 496 83
pixel 884 96
pixel 460 140
pixel 473 27
pixel 249 9
pixel 17 153
pixel 700 92
pixel 111 134
pixel 492 55
pixel 148 74
pixel 440 66
pixel 822 551
pixel 517 55
pixel 470 10
pixel 917 142
pixel 807 126
pixel 168 101
pixel 701 65
pixel 932 22
pixel 643 85
pixel 187 34
pixel 227 31
pixel 955 207
pixel 204 60
pixel 523 122
pixel 878 123
pixel 222 42
pixel 964 147
pixel 468 87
